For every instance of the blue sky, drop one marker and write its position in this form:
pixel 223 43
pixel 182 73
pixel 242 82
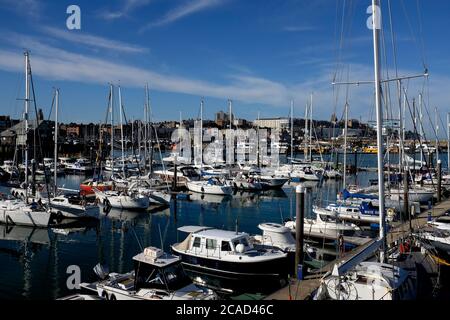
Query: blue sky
pixel 260 54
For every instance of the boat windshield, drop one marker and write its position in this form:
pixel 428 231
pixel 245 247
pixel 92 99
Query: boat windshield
pixel 169 278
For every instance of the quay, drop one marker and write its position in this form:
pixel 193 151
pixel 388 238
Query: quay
pixel 303 289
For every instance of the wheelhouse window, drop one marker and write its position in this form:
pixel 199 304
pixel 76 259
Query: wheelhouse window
pixel 211 244
pixel 225 246
pixel 197 242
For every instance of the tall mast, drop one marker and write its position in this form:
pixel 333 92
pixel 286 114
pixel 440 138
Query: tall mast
pixel 292 132
pixel 305 137
pixel 201 134
pixel 421 126
pixel 436 121
pixel 27 106
pixel 230 106
pixel 448 142
pixel 121 129
pixel 376 10
pixel 310 128
pixel 56 140
pixel 111 110
pixel 345 146
pixel 150 136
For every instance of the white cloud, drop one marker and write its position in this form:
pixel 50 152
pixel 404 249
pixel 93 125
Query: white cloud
pixel 184 10
pixel 93 41
pixel 30 8
pixel 53 64
pixel 128 6
pixel 298 28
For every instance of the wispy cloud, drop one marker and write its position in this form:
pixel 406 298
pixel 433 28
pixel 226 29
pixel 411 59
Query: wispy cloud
pixel 30 8
pixel 128 6
pixel 184 10
pixel 54 63
pixel 93 41
pixel 298 28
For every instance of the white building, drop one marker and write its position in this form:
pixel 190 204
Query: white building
pixel 272 123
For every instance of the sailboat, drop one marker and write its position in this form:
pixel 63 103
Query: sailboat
pixel 215 186
pixel 356 278
pixel 18 211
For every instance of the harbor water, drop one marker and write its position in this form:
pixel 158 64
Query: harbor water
pixel 35 261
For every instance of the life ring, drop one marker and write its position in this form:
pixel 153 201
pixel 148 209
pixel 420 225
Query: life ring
pixel 105 295
pixel 112 297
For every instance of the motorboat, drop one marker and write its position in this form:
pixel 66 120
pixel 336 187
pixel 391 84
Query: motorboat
pixel 229 258
pixel 156 276
pixel 81 166
pixel 325 225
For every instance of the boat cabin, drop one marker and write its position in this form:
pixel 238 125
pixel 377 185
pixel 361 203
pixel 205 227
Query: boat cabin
pixel 155 269
pixel 214 243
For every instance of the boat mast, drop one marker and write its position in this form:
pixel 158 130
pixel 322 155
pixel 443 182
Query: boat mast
pixel 376 11
pixel 448 142
pixel 437 133
pixel 56 140
pixel 421 126
pixel 27 106
pixel 111 110
pixel 230 105
pixel 201 134
pixel 149 114
pixel 121 130
pixel 345 146
pixel 292 132
pixel 310 128
pixel 305 136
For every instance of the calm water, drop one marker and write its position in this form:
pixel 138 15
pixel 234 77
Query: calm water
pixel 34 262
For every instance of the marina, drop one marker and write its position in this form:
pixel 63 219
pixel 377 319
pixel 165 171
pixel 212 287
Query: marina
pixel 133 207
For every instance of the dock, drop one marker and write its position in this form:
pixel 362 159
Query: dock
pixel 303 290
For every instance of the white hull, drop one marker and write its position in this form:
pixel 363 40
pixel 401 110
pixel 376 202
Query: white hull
pixel 205 188
pixel 21 214
pixel 123 201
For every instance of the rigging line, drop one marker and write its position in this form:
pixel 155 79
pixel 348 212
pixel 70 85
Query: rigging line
pixel 408 20
pixel 422 42
pixel 51 108
pixel 394 47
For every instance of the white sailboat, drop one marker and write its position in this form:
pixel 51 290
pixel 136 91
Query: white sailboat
pixel 18 211
pixel 355 278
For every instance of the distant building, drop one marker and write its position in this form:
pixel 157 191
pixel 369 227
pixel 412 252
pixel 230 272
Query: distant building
pixel 272 123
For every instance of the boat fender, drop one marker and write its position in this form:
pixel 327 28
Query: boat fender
pixel 391 213
pixel 203 189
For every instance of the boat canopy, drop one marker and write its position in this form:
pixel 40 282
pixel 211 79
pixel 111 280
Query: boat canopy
pixel 193 229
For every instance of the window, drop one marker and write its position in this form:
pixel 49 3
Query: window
pixel 225 246
pixel 211 244
pixel 196 243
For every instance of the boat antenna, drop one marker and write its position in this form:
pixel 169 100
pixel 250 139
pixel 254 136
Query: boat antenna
pixel 160 237
pixel 237 225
